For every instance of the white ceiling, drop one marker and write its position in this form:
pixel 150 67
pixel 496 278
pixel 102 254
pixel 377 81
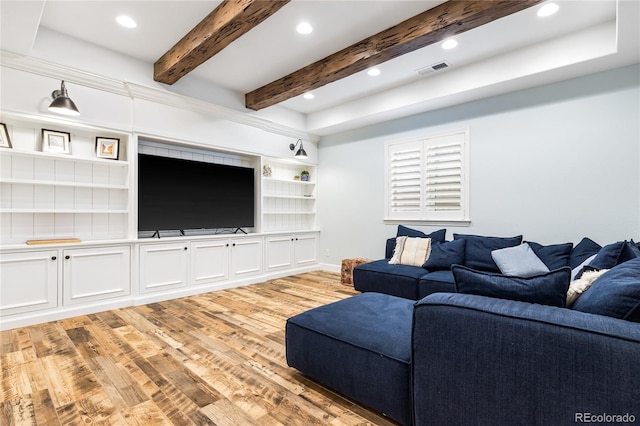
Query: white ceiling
pixel 274 49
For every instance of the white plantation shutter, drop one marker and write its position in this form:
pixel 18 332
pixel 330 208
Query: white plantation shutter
pixel 427 179
pixel 405 181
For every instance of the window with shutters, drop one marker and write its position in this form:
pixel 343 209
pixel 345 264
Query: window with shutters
pixel 427 178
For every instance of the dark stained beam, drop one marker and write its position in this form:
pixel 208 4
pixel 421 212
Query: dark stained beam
pixel 445 20
pixel 227 22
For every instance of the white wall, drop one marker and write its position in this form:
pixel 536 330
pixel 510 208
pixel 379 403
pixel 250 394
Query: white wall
pixel 554 163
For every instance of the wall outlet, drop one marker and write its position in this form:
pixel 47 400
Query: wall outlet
pixel 327 253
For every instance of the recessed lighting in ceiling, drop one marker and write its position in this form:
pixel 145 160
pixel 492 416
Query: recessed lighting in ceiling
pixel 309 96
pixel 449 44
pixel 373 72
pixel 548 9
pixel 304 28
pixel 126 21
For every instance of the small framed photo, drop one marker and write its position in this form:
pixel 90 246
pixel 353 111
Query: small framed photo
pixel 107 147
pixel 55 141
pixel 5 140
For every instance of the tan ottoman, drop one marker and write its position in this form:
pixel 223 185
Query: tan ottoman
pixel 346 275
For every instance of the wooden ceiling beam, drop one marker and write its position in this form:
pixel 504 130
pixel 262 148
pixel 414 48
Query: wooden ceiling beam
pixel 445 20
pixel 227 22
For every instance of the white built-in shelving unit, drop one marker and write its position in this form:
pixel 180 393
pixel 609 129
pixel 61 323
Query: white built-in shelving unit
pixel 51 196
pixel 62 195
pixel 288 202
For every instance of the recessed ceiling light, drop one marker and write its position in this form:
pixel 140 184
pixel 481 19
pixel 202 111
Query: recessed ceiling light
pixel 309 96
pixel 449 44
pixel 126 21
pixel 304 28
pixel 548 9
pixel 373 72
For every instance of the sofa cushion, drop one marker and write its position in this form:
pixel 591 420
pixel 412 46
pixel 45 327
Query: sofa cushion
pixel 380 277
pixel 547 289
pixel 519 261
pixel 361 347
pixel 582 251
pixel 478 250
pixel 438 235
pixel 436 282
pixel 615 294
pixel 411 251
pixel 608 256
pixel 555 256
pixel 443 255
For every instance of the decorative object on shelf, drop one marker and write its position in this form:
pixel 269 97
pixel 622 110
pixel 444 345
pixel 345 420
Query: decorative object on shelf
pixel 62 103
pixel 107 147
pixel 70 240
pixel 296 178
pixel 5 141
pixel 300 153
pixel 304 176
pixel 55 141
pixel 266 170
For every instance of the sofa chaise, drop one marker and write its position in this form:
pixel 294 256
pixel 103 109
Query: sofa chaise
pixel 460 357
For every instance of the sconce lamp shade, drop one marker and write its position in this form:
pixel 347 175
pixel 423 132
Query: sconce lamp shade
pixel 300 153
pixel 62 104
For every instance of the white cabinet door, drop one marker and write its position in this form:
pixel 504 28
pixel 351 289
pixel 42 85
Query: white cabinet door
pixel 279 253
pixel 246 257
pixel 163 266
pixel 28 281
pixel 92 274
pixel 306 249
pixel 209 261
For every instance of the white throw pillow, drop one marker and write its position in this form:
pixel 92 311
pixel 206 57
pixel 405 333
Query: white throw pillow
pixel 411 251
pixel 519 261
pixel 579 286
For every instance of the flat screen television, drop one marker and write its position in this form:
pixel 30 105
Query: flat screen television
pixel 177 194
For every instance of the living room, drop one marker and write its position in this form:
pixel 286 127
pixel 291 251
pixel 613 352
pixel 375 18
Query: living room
pixel 553 155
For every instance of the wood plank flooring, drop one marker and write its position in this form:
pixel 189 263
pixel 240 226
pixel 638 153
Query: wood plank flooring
pixel 213 359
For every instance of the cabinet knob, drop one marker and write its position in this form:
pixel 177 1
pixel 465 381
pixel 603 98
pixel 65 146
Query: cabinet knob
pixel 54 257
pixel 67 257
pixel 185 248
pixel 234 244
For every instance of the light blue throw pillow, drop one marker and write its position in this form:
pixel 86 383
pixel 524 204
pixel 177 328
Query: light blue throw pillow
pixel 519 261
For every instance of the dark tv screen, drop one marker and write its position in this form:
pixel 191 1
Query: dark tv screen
pixel 177 194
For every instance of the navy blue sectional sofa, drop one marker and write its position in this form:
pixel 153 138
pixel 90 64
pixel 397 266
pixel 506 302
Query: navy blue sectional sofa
pixel 453 358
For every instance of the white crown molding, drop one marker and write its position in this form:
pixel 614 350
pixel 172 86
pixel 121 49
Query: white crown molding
pixel 61 72
pixel 133 90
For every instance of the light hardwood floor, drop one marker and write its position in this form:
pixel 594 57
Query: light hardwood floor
pixel 213 359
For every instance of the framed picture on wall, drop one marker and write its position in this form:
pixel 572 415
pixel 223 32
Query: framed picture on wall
pixel 107 147
pixel 5 141
pixel 55 141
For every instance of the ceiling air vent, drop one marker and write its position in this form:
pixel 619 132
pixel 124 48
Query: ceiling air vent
pixel 431 68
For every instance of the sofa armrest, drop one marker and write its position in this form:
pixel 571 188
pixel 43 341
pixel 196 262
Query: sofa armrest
pixel 480 360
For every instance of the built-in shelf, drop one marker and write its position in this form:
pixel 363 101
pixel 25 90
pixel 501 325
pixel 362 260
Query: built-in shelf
pixel 62 183
pixel 58 194
pixel 284 212
pixel 288 203
pixel 66 211
pixel 291 197
pixel 64 157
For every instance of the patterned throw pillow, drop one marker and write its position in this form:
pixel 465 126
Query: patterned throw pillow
pixel 411 251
